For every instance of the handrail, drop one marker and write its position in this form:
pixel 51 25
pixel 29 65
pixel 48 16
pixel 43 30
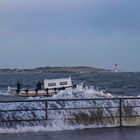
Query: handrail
pixel 120 106
pixel 69 99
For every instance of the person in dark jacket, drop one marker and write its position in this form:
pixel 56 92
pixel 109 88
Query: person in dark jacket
pixel 18 87
pixel 38 86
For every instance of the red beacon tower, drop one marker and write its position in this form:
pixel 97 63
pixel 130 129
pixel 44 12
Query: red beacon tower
pixel 116 68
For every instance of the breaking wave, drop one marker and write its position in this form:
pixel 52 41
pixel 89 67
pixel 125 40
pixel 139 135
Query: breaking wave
pixel 60 119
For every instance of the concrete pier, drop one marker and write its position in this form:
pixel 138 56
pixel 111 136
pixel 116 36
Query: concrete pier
pixel 129 133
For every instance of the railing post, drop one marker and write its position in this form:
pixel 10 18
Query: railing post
pixel 46 110
pixel 120 111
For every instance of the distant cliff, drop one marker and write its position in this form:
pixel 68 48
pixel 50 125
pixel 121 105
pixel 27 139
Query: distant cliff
pixel 78 69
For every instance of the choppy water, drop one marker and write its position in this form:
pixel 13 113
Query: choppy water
pixel 124 84
pixel 96 85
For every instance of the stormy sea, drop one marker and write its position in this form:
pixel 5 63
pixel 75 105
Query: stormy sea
pixel 91 85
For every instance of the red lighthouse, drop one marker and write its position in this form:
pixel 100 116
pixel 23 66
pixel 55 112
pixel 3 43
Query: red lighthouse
pixel 116 68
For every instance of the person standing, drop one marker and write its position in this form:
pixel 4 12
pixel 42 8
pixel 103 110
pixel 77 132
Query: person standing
pixel 18 87
pixel 38 86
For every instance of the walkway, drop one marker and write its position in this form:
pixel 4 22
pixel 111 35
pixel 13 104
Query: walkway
pixel 132 133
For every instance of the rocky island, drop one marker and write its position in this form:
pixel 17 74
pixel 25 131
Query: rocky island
pixel 76 69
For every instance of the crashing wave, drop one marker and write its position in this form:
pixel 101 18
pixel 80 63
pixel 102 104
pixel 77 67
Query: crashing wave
pixel 65 119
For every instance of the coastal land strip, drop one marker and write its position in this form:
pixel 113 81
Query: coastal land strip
pixel 73 69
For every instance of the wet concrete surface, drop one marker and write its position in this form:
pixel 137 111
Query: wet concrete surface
pixel 132 133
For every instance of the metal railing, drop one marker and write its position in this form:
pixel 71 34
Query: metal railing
pixel 123 108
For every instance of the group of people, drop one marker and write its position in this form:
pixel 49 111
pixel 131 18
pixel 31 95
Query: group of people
pixel 38 86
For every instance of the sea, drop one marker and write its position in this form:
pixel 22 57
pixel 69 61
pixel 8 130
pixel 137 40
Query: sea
pixel 118 84
pixel 94 85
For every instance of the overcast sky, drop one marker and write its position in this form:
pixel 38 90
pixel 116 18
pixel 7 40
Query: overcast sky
pixel 96 33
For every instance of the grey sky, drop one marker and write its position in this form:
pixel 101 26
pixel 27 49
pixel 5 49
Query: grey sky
pixel 95 33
